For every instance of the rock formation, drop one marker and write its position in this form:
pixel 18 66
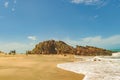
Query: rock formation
pixel 52 47
pixel 60 47
pixel 91 51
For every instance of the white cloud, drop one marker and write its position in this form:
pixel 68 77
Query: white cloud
pixel 90 2
pixel 32 38
pixel 9 3
pixel 19 47
pixel 98 41
pixel 13 9
pixel 102 4
pixel 6 4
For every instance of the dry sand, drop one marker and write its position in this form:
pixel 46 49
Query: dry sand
pixel 35 67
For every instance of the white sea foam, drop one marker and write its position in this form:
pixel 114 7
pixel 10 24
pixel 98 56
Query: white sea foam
pixel 103 69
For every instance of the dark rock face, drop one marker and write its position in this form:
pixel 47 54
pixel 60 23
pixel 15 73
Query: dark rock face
pixel 60 47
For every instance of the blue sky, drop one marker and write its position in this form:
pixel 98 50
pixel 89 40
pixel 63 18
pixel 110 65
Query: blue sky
pixel 23 23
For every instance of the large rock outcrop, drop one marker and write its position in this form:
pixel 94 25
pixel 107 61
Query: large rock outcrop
pixel 52 47
pixel 91 51
pixel 60 47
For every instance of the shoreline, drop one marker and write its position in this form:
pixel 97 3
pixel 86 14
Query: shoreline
pixel 94 70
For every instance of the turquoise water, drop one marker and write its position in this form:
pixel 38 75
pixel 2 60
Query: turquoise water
pixel 115 50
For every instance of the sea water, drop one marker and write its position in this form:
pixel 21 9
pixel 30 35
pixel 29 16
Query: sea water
pixel 107 68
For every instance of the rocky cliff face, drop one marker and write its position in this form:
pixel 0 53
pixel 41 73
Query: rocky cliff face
pixel 60 47
pixel 91 51
pixel 52 47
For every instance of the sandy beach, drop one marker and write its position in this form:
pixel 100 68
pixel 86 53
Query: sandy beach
pixel 35 67
pixel 101 69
